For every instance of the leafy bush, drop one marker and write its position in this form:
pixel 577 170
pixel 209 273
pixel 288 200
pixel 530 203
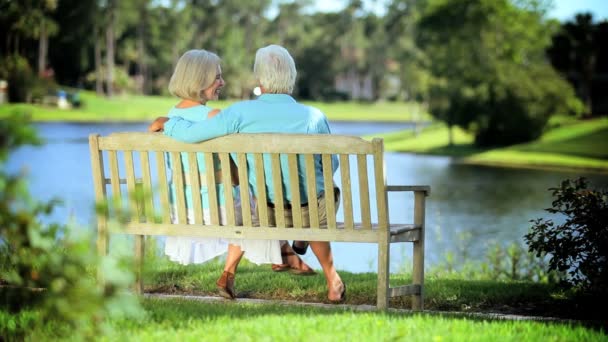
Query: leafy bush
pixel 20 76
pixel 579 245
pixel 47 268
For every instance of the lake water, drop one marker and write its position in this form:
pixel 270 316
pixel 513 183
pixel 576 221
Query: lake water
pixel 470 208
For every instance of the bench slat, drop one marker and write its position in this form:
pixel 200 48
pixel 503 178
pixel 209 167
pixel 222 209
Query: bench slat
pixel 311 184
pixel 133 203
pixel 262 233
pixel 228 194
pixel 328 181
pixel 147 186
pixel 115 178
pixel 277 183
pixel 237 143
pixel 244 188
pixel 404 290
pixel 211 188
pixel 380 180
pixel 195 187
pixel 178 184
pixel 347 196
pixel 294 184
pixel 163 187
pixel 402 232
pixel 363 189
pixel 262 198
pixel 97 167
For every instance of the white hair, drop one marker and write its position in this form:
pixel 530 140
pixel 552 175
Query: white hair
pixel 275 69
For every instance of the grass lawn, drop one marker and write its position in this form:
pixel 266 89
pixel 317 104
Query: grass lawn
pixel 442 292
pixel 147 108
pixel 573 144
pixel 175 320
pixel 184 320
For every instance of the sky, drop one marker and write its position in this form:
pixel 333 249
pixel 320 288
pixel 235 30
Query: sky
pixel 563 10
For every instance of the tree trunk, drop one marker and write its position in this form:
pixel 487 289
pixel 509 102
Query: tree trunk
pixel 98 71
pixel 450 135
pixel 110 51
pixel 43 45
pixel 141 54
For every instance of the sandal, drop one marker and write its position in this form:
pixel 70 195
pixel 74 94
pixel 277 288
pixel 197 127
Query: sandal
pixel 282 267
pixel 292 270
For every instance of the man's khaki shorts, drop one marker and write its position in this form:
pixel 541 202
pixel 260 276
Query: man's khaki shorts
pixel 321 204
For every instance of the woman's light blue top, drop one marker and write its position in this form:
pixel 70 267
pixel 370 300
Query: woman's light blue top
pixel 270 113
pixel 194 114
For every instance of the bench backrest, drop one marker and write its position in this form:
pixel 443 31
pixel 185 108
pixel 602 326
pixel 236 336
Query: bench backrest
pixel 123 163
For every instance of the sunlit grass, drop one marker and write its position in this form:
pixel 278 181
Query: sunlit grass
pixel 451 292
pixel 176 320
pixel 568 144
pixel 184 320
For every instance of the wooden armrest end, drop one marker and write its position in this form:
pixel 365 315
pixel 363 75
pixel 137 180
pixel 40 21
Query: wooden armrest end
pixel 424 188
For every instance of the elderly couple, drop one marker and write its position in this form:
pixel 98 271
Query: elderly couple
pixel 197 79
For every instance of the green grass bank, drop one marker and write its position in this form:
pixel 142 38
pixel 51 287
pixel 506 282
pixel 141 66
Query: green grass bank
pixel 566 144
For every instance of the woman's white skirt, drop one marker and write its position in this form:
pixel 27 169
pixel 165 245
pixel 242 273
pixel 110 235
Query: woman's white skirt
pixel 195 250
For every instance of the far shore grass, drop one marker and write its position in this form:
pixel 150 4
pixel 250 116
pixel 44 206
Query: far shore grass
pixel 568 144
pixel 137 108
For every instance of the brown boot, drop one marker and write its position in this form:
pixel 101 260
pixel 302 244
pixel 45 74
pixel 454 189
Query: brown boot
pixel 225 285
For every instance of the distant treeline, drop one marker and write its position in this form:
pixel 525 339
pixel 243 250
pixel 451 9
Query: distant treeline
pixel 459 58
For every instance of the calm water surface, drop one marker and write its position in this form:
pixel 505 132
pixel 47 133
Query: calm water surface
pixel 470 208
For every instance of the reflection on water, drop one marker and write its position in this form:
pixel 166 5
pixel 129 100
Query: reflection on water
pixel 470 207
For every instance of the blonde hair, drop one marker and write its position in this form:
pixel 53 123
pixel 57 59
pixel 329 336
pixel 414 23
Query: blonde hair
pixel 275 69
pixel 195 71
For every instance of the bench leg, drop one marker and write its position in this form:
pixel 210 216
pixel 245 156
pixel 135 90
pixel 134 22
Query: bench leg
pixel 102 250
pixel 139 262
pixel 418 269
pixel 383 272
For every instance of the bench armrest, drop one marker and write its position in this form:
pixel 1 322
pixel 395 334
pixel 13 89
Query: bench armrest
pixel 415 188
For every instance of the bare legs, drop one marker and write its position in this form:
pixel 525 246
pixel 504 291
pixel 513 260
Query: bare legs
pixel 233 258
pixel 335 286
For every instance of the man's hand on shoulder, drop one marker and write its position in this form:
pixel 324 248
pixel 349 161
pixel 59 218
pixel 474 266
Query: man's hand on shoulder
pixel 158 125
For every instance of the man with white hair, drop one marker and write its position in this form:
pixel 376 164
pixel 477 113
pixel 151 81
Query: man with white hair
pixel 275 111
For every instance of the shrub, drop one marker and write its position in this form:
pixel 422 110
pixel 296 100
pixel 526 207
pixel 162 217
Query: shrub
pixel 579 245
pixel 20 76
pixel 47 268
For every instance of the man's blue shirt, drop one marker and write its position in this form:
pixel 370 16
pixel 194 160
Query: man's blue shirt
pixel 270 113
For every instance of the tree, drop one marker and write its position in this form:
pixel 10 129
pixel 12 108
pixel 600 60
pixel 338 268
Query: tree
pixel 576 52
pixel 491 75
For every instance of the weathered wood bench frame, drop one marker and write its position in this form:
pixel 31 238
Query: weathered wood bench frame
pixel 110 174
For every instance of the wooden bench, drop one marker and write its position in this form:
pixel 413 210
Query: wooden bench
pixel 123 162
